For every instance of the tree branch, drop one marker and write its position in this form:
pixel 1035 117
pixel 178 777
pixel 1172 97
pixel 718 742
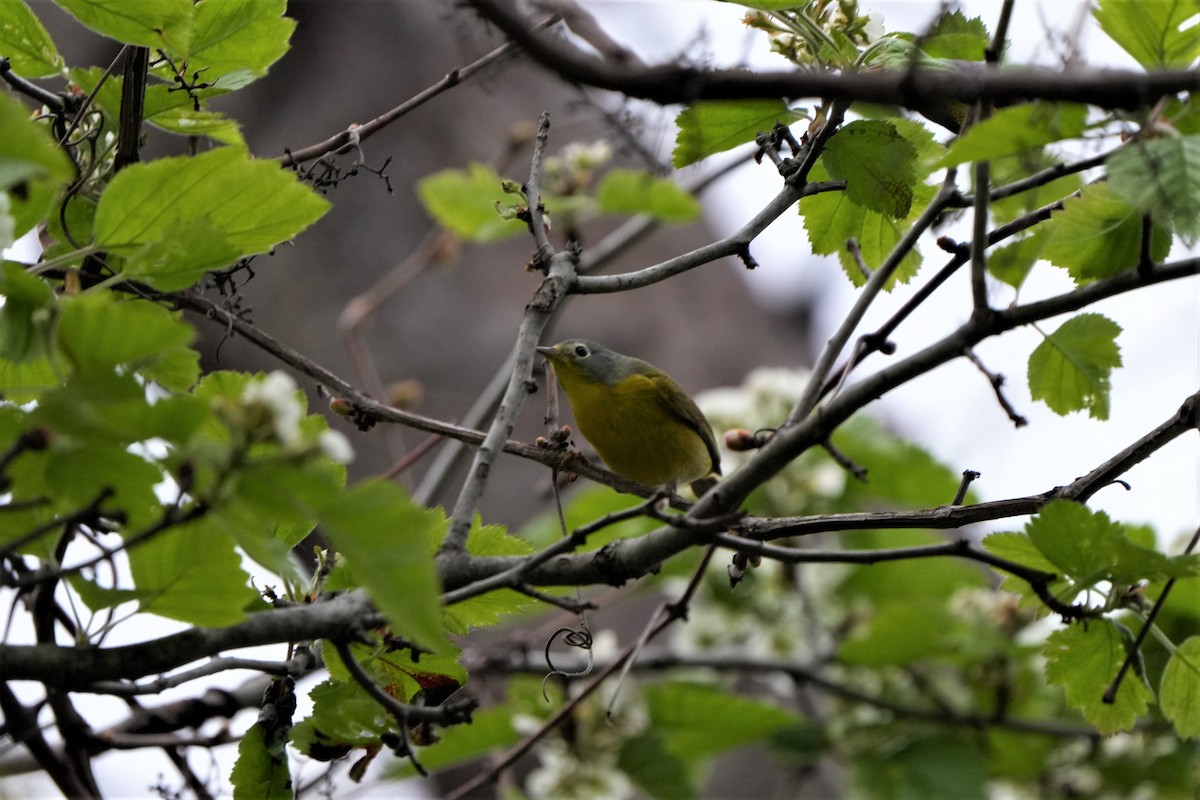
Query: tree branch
pixel 911 88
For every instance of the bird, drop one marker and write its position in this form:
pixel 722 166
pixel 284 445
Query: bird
pixel 641 423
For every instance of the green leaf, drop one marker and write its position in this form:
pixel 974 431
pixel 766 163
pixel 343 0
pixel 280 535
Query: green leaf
pixel 100 597
pixel 343 716
pixel 253 204
pixel 1020 548
pixel 186 121
pixel 1098 235
pixel 899 634
pixel 714 126
pixel 490 731
pixel 1011 169
pixel 1179 692
pixel 898 471
pixel 877 164
pixel 1071 369
pixel 97 332
pixel 1074 539
pixel 186 253
pixel 1083 660
pixel 831 218
pixel 659 772
pixel 32 167
pixel 1161 177
pixel 698 720
pixel 79 475
pixel 233 35
pixel 941 767
pixel 260 772
pixel 487 609
pixel 627 191
pixel 190 578
pixel 25 42
pixel 582 507
pixel 465 203
pixel 955 36
pixel 1151 30
pixel 165 24
pixel 385 537
pixel 111 407
pixel 26 314
pixel 1013 262
pixel 888 583
pixel 1014 130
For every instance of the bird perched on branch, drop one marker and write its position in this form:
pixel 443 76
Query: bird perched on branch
pixel 641 423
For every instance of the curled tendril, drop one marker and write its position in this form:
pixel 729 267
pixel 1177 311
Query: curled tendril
pixel 581 638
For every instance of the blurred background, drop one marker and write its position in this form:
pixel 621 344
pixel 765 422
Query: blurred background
pixel 448 331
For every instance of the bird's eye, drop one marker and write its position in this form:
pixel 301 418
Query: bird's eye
pixel 581 351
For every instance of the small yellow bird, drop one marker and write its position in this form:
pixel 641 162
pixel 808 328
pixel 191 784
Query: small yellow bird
pixel 640 422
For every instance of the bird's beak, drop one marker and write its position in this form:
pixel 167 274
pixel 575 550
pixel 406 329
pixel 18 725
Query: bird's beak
pixel 547 352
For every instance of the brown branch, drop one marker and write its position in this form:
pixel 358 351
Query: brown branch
pixel 356 134
pixel 911 88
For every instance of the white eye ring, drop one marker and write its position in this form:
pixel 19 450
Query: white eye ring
pixel 581 351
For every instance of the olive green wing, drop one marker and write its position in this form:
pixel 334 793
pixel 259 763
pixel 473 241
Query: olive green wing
pixel 682 406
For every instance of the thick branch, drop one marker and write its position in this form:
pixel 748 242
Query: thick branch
pixel 913 89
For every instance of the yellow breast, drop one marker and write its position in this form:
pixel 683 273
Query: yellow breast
pixel 636 433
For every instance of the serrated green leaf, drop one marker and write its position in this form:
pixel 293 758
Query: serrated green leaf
pixel 193 579
pixel 715 126
pixel 1098 235
pixel 1013 262
pixel 1152 30
pixel 1071 369
pixel 487 609
pixel 627 191
pixel 385 537
pixel 1083 660
pixel 253 204
pixel 1161 177
pixel 233 35
pixel 1018 547
pixel 96 332
pixel 24 41
pixel 699 720
pixel 955 36
pixel 1179 692
pixel 343 715
pixel 1078 541
pixel 165 24
pixel 32 167
pixel 877 164
pixel 465 203
pixel 1014 130
pixel 259 773
pixel 831 218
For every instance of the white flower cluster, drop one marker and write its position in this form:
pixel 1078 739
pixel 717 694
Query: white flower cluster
pixel 763 401
pixel 274 408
